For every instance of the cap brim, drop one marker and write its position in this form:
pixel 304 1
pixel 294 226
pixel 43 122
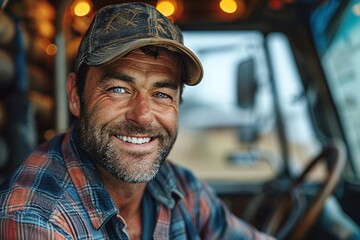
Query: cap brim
pixel 193 67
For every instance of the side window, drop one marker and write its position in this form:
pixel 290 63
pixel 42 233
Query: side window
pixel 340 58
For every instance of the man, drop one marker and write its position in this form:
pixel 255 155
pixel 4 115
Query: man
pixel 107 177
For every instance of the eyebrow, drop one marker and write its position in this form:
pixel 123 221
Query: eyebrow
pixel 172 86
pixel 116 75
pixel 126 78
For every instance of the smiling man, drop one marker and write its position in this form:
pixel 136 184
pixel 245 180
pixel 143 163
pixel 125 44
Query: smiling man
pixel 128 118
pixel 108 177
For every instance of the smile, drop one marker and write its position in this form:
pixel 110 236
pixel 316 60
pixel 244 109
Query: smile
pixel 135 140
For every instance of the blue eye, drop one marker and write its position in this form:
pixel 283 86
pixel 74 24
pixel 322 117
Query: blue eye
pixel 118 90
pixel 162 95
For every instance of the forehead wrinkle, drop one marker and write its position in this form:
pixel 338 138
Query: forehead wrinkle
pixel 109 74
pixel 155 63
pixel 136 58
pixel 163 55
pixel 115 75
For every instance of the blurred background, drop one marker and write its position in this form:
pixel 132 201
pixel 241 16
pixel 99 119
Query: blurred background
pixel 281 81
pixel 39 40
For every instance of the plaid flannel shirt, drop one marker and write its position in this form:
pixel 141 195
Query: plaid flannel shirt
pixel 57 194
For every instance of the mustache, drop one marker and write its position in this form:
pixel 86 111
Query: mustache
pixel 129 128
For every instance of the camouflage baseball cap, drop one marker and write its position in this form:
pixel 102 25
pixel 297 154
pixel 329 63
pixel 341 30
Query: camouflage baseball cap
pixel 118 29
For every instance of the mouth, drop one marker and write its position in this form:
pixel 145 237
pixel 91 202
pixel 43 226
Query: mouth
pixel 134 140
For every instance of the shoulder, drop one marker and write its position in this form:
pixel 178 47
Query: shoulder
pixel 38 184
pixel 210 216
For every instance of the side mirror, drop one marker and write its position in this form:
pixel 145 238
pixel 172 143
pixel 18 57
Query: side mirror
pixel 247 84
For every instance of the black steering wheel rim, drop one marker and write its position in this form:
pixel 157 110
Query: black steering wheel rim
pixel 296 222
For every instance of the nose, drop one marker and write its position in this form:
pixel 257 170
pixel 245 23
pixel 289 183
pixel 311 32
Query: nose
pixel 140 111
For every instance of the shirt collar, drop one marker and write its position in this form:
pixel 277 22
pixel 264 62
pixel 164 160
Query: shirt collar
pixel 94 197
pixel 164 187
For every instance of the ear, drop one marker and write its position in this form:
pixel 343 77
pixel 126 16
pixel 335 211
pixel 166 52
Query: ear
pixel 74 99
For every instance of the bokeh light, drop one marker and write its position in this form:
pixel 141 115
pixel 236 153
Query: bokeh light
pixel 228 6
pixel 82 8
pixel 167 8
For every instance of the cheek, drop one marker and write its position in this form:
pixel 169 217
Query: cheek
pixel 169 120
pixel 106 114
pixel 102 109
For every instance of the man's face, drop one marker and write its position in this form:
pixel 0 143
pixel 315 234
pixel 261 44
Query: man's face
pixel 129 120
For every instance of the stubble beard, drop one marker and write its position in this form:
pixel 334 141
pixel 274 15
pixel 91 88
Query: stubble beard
pixel 129 167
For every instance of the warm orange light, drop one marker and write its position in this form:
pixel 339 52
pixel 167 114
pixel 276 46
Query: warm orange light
pixel 51 49
pixel 82 8
pixel 228 6
pixel 46 28
pixel 167 8
pixel 44 10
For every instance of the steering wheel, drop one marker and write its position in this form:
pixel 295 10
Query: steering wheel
pixel 292 216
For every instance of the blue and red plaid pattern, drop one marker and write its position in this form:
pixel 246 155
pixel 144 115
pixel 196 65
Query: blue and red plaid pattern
pixel 57 194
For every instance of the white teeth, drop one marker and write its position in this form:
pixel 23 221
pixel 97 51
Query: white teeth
pixel 134 140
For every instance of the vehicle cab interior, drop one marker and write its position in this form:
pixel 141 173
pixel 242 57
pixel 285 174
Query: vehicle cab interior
pixel 273 126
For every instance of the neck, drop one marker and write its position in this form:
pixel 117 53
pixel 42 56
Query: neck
pixel 127 198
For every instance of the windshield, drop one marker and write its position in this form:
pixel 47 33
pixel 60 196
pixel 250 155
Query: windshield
pixel 229 126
